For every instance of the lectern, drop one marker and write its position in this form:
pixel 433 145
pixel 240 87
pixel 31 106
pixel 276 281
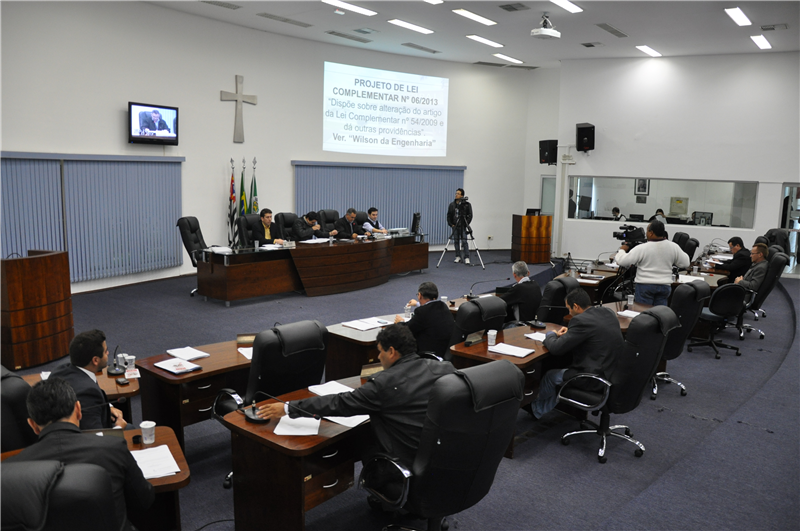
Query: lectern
pixel 36 309
pixel 530 238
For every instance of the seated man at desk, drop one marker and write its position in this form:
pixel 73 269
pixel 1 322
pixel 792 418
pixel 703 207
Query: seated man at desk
pixel 88 354
pixel 740 263
pixel 754 276
pixel 347 228
pixel 593 338
pixel 152 123
pixel 372 224
pixel 307 227
pixel 432 323
pixel 396 399
pixel 524 297
pixel 265 230
pixel 617 215
pixel 55 415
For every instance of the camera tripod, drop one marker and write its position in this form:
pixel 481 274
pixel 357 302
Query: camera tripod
pixel 462 226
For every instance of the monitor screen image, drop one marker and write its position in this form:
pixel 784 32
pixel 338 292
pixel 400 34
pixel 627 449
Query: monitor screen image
pixel 415 222
pixel 152 124
pixel 702 218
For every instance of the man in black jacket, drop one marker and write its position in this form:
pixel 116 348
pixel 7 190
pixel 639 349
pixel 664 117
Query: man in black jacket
pixel 737 266
pixel 432 323
pixel 459 215
pixel 307 227
pixel 347 228
pixel 524 297
pixel 593 338
pixel 264 230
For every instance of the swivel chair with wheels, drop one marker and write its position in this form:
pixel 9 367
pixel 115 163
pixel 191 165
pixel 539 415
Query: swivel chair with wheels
pixel 726 305
pixel 777 263
pixel 327 219
pixel 192 238
pixel 469 423
pixel 245 226
pixel 284 221
pixel 486 313
pixel 622 391
pixel 16 433
pixel 552 308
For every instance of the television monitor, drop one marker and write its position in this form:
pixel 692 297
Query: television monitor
pixel 152 124
pixel 585 203
pixel 635 217
pixel 533 212
pixel 678 206
pixel 702 218
pixel 415 221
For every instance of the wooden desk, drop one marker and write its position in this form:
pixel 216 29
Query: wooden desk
pixel 594 288
pixel 276 479
pixel 625 322
pixel 180 400
pixel 108 384
pixel 350 349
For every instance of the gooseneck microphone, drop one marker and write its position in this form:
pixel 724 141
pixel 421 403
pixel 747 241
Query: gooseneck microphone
pixel 116 370
pixel 470 296
pixel 250 411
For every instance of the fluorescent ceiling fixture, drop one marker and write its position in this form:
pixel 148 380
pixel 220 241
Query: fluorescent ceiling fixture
pixel 350 7
pixel 485 41
pixel 435 2
pixel 408 25
pixel 761 42
pixel 738 16
pixel 649 51
pixel 507 58
pixel 566 4
pixel 473 16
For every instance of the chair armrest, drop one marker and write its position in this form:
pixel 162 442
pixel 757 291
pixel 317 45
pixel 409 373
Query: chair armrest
pixel 385 478
pixel 571 383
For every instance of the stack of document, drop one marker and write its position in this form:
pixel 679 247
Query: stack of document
pixel 536 336
pixel 683 279
pixel 188 353
pixel 156 462
pixel 510 350
pixel 220 250
pixel 366 324
pixel 628 313
pixel 334 388
pixel 177 366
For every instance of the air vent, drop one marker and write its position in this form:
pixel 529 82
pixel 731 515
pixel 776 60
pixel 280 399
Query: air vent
pixel 284 19
pixel 350 37
pixel 365 31
pixel 521 67
pixel 420 48
pixel 226 5
pixel 592 44
pixel 514 7
pixel 484 63
pixel 612 30
pixel 501 65
pixel 774 27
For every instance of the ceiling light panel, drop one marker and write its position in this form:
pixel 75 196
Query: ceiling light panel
pixel 649 51
pixel 409 25
pixel 472 16
pixel 566 4
pixel 487 42
pixel 434 2
pixel 761 42
pixel 507 58
pixel 350 7
pixel 738 16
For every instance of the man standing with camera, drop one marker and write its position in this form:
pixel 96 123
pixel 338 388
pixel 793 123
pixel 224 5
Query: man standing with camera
pixel 459 216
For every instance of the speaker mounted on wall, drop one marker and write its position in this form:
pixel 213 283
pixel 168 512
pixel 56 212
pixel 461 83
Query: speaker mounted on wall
pixel 584 137
pixel 548 151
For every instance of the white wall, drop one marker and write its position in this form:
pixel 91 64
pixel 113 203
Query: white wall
pixel 69 69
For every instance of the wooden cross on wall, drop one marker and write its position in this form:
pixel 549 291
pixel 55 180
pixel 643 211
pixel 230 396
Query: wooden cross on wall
pixel 238 97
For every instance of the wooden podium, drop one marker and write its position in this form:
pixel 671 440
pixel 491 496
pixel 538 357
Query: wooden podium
pixel 36 309
pixel 530 238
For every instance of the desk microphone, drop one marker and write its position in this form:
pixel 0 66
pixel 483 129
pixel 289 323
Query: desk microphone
pixel 471 296
pixel 116 370
pixel 250 411
pixel 118 401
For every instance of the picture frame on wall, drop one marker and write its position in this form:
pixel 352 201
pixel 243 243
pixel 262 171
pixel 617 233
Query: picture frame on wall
pixel 641 187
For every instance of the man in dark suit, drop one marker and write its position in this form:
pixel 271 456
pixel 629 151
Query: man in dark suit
pixel 524 297
pixel 264 230
pixel 347 228
pixel 459 216
pixel 153 123
pixel 737 266
pixel 307 227
pixel 88 355
pixel 754 276
pixel 55 414
pixel 593 338
pixel 432 324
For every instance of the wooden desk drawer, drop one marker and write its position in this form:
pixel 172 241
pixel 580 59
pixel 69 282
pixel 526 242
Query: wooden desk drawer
pixel 328 458
pixel 533 375
pixel 197 410
pixel 203 388
pixel 328 484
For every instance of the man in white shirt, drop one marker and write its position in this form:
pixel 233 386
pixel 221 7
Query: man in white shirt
pixel 372 224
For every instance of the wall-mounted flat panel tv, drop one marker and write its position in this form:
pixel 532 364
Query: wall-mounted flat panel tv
pixel 152 124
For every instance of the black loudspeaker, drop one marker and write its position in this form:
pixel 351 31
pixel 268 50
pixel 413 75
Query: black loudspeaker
pixel 548 151
pixel 584 138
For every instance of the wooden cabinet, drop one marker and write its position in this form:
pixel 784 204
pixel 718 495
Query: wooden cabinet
pixel 530 238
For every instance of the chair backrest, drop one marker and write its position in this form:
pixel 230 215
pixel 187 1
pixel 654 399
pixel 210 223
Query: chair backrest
pixel 777 263
pixel 327 219
pixel 361 217
pixel 636 365
pixel 14 416
pixel 687 303
pixel 774 250
pixel 284 221
pixel 778 237
pixel 143 115
pixel 486 313
pixel 50 496
pixel 761 239
pixel 469 422
pixel 691 247
pixel 192 236
pixel 245 226
pixel 552 308
pixel 727 300
pixel 680 238
pixel 287 358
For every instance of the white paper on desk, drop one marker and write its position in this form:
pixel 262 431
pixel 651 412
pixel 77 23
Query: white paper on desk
pixel 298 426
pixel 536 336
pixel 221 250
pixel 319 240
pixel 628 313
pixel 723 257
pixel 132 374
pixel 684 279
pixel 350 422
pixel 510 350
pixel 587 281
pixel 188 353
pixel 712 261
pixel 330 388
pixel 272 246
pixel 45 375
pixel 366 324
pixel 247 352
pixel 156 462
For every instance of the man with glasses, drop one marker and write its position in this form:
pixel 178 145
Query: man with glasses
pixel 754 276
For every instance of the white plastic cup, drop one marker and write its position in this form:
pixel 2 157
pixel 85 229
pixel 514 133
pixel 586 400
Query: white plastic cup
pixel 148 431
pixel 694 270
pixel 589 269
pixel 443 299
pixel 131 361
pixel 407 312
pixel 492 336
pixel 630 300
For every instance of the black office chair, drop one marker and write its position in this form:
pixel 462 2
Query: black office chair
pixel 52 496
pixel 327 219
pixel 192 238
pixel 691 247
pixel 361 217
pixel 519 314
pixel 485 313
pixel 284 221
pixel 777 263
pixel 681 238
pixel 687 303
pixel 552 308
pixel 622 391
pixel 778 237
pixel 15 433
pixel 469 423
pixel 244 226
pixel 726 304
pixel 761 239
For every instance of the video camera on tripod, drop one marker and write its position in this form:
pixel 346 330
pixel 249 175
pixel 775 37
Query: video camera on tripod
pixel 631 235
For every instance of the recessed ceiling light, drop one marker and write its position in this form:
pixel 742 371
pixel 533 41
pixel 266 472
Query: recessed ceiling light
pixel 350 7
pixel 434 2
pixel 485 41
pixel 566 4
pixel 473 16
pixel 408 25
pixel 761 42
pixel 649 51
pixel 507 58
pixel 738 16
